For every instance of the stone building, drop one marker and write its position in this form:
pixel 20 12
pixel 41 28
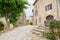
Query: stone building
pixel 31 19
pixel 45 10
pixel 23 19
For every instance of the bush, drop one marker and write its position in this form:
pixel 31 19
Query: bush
pixel 1 26
pixel 53 25
pixel 31 23
pixel 50 36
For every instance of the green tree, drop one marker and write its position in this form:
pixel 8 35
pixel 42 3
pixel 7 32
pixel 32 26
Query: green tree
pixel 11 9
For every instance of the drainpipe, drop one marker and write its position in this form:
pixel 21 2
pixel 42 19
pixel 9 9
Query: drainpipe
pixel 57 5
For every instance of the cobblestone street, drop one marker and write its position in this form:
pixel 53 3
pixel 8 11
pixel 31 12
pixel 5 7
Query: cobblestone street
pixel 20 33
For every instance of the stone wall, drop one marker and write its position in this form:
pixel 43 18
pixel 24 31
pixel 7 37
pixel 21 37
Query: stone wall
pixel 42 13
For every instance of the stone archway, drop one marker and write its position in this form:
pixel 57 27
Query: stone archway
pixel 49 17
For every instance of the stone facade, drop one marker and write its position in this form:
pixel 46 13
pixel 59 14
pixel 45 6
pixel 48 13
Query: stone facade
pixel 31 19
pixel 23 19
pixel 45 10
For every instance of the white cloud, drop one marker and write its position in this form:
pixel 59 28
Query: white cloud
pixel 29 10
pixel 31 1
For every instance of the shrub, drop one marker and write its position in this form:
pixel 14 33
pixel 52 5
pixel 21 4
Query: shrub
pixel 50 36
pixel 53 24
pixel 1 26
pixel 31 23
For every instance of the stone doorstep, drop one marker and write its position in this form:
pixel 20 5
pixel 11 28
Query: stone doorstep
pixel 38 33
pixel 39 30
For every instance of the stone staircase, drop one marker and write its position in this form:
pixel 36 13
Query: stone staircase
pixel 39 30
pixel 38 33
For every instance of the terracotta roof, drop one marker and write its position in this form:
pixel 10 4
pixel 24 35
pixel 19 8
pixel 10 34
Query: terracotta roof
pixel 35 2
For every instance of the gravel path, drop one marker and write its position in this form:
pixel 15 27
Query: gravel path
pixel 20 33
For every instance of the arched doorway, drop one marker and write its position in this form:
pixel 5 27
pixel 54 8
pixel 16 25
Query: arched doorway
pixel 49 17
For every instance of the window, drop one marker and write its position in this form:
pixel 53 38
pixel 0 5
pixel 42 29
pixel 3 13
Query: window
pixel 49 17
pixel 48 7
pixel 39 19
pixel 36 22
pixel 36 12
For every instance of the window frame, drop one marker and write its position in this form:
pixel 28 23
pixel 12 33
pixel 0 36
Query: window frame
pixel 48 7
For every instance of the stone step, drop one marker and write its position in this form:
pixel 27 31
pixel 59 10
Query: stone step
pixel 40 27
pixel 39 30
pixel 38 33
pixel 43 28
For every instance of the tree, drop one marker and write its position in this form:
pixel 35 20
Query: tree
pixel 11 9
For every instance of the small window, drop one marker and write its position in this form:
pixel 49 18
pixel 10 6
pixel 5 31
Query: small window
pixel 48 7
pixel 36 12
pixel 36 22
pixel 39 19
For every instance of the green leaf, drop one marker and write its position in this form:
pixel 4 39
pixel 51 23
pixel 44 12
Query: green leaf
pixel 13 8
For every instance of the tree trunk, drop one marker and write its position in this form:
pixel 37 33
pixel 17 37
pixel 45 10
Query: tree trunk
pixel 7 22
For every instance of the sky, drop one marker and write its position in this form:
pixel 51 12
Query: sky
pixel 29 10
